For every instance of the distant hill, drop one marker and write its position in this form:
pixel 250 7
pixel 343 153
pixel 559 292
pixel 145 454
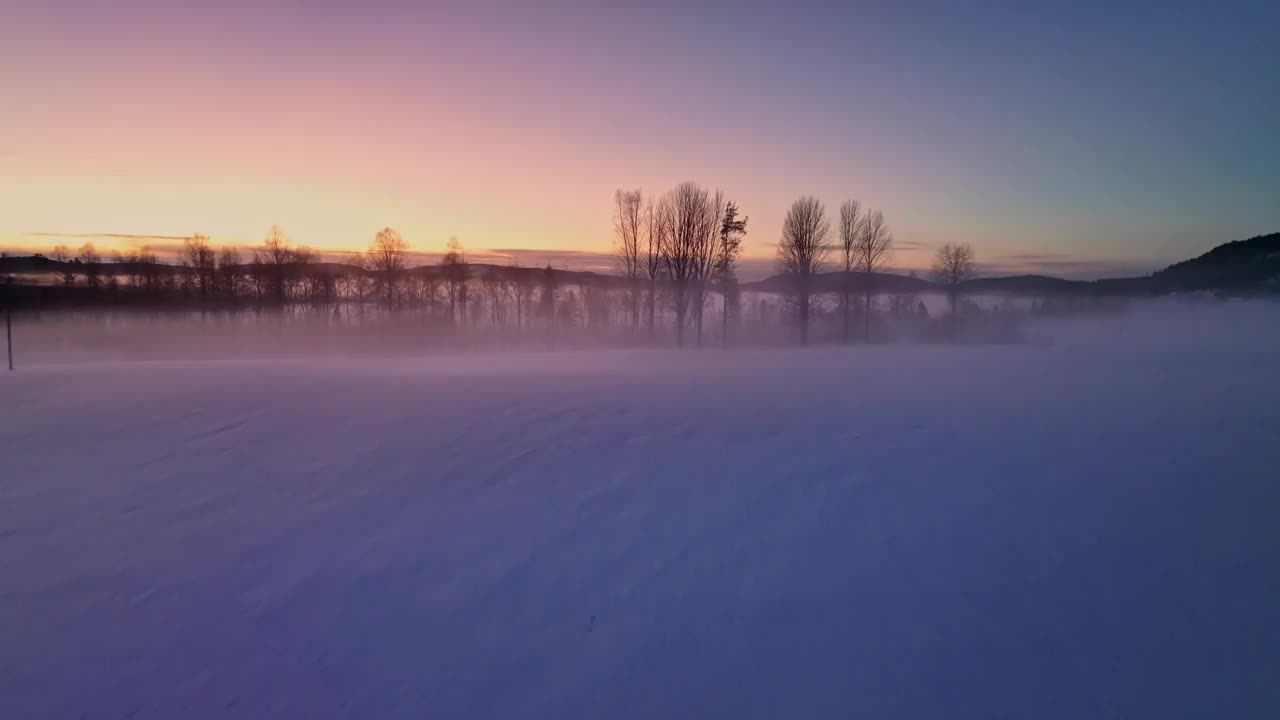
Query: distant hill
pixel 1251 265
pixel 834 281
pixel 30 264
pixel 1243 264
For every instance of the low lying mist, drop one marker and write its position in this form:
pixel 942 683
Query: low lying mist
pixel 114 335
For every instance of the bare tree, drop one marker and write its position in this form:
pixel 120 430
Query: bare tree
pixel 522 280
pixel 454 268
pixel 144 270
pixel 62 254
pixel 273 259
pixel 90 263
pixel 202 259
pixel 689 217
pixel 628 207
pixel 112 270
pixel 547 301
pixel 230 273
pixel 850 229
pixel 803 252
pixel 387 257
pixel 356 284
pixel 729 247
pixel 708 250
pixel 953 265
pixel 654 241
pixel 873 248
pixel 299 274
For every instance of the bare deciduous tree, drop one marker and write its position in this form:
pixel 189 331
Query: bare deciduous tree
pixel 654 241
pixel 547 301
pixel 523 281
pixel 202 260
pixel 62 254
pixel 708 251
pixel 387 257
pixel 802 253
pixel 627 221
pixel 144 269
pixel 689 217
pixel 230 273
pixel 953 265
pixel 298 272
pixel 850 229
pixel 112 270
pixel 90 264
pixel 273 260
pixel 455 270
pixel 872 250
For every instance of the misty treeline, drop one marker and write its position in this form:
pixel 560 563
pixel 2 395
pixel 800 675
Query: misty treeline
pixel 676 281
pixel 684 245
pixel 289 279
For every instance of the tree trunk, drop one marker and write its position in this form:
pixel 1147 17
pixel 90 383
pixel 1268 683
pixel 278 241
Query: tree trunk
pixel 653 306
pixel 635 307
pixel 844 309
pixel 701 301
pixel 682 302
pixel 866 315
pixel 724 326
pixel 804 311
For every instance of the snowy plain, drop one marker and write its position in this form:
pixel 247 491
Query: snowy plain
pixel 1083 529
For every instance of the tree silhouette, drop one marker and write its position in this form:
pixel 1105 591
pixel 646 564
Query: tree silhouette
pixel 62 254
pixel 272 261
pixel 203 262
pixel 872 250
pixel 689 217
pixel 91 264
pixel 387 258
pixel 627 221
pixel 850 229
pixel 953 265
pixel 654 241
pixel 547 301
pixel 454 267
pixel 802 253
pixel 230 274
pixel 732 230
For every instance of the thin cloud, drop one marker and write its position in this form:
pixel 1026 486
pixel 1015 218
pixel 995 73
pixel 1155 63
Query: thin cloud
pixel 107 236
pixel 910 245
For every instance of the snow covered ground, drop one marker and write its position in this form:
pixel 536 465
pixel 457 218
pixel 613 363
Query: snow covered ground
pixel 1065 531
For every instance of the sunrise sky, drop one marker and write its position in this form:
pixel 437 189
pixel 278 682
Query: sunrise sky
pixel 1080 141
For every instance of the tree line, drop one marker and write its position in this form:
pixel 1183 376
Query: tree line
pixel 677 255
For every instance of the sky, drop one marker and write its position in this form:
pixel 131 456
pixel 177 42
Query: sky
pixel 1089 140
